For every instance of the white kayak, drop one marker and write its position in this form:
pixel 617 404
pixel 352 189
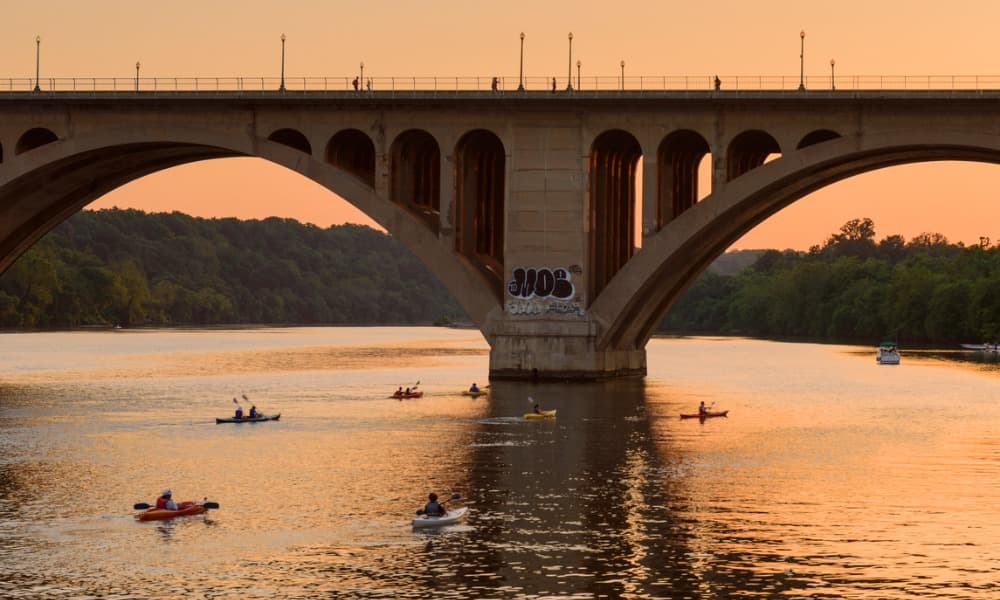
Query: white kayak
pixel 453 516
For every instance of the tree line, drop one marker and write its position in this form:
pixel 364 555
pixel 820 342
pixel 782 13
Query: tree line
pixel 130 268
pixel 852 288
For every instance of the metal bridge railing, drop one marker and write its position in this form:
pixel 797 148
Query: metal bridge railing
pixel 630 83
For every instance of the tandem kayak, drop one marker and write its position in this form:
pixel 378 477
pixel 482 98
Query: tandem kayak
pixel 453 516
pixel 545 414
pixel 707 415
pixel 475 394
pixel 419 394
pixel 184 509
pixel 248 419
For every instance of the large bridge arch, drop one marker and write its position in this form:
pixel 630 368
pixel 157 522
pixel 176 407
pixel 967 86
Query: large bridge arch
pixel 636 300
pixel 42 188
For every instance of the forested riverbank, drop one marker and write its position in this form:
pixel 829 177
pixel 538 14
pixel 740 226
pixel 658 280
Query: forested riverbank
pixel 131 268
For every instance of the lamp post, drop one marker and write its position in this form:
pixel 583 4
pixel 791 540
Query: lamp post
pixel 281 88
pixel 569 73
pixel 578 65
pixel 833 85
pixel 802 60
pixel 38 52
pixel 137 76
pixel 361 84
pixel 622 64
pixel 520 73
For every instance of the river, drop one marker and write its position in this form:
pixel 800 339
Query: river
pixel 832 477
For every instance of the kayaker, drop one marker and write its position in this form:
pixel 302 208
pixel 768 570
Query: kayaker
pixel 538 409
pixel 702 409
pixel 165 501
pixel 433 507
pixel 399 392
pixel 407 392
pixel 239 410
pixel 474 388
pixel 253 412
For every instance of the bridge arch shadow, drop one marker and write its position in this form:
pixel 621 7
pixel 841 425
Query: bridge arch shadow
pixel 480 194
pixel 353 151
pixel 636 300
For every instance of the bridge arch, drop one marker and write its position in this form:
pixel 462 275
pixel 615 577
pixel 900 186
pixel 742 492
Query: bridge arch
pixel 34 138
pixel 749 150
pixel 353 151
pixel 292 138
pixel 480 202
pixel 415 175
pixel 614 156
pixel 635 302
pixel 677 161
pixel 40 189
pixel 817 137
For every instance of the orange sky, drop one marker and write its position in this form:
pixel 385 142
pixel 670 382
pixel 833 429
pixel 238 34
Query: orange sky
pixel 446 38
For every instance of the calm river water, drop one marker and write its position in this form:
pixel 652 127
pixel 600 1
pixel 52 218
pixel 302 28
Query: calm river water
pixel 832 477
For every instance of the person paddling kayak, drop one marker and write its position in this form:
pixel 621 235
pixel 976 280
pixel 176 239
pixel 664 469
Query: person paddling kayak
pixel 473 388
pixel 165 501
pixel 433 507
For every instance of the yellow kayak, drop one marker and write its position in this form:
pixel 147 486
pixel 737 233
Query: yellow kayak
pixel 475 394
pixel 545 414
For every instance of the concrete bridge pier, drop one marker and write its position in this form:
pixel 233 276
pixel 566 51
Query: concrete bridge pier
pixel 559 350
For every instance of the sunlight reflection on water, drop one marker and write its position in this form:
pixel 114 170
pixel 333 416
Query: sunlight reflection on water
pixel 832 477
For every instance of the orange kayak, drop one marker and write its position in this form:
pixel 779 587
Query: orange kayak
pixel 183 509
pixel 410 395
pixel 707 415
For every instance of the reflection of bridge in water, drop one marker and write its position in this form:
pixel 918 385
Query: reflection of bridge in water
pixel 564 223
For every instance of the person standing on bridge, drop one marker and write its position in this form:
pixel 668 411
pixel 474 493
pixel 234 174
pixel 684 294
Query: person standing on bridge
pixel 718 83
pixel 494 84
pixel 355 84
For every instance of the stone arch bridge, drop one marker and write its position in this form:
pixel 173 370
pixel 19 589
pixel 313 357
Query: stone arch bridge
pixel 564 224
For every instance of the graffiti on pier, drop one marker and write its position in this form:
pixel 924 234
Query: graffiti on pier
pixel 539 291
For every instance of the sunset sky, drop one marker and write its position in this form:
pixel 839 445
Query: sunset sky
pixel 105 38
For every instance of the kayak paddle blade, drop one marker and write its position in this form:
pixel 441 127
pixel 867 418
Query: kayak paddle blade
pixel 455 496
pixel 140 506
pixel 420 511
pixel 210 504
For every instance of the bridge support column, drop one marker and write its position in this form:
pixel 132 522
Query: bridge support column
pixel 554 351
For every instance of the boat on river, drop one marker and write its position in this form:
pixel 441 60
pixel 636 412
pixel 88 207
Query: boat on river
pixel 184 509
pixel 476 393
pixel 454 515
pixel 887 354
pixel 545 414
pixel 982 347
pixel 705 415
pixel 256 419
pixel 400 396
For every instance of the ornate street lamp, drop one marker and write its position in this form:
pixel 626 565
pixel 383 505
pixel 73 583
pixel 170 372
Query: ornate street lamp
pixel 520 73
pixel 802 60
pixel 281 88
pixel 578 65
pixel 833 85
pixel 38 51
pixel 361 82
pixel 622 63
pixel 137 76
pixel 569 74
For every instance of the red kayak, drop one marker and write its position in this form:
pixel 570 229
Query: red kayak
pixel 707 415
pixel 183 509
pixel 410 395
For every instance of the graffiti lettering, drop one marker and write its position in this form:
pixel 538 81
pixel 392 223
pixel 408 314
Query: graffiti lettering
pixel 535 308
pixel 540 283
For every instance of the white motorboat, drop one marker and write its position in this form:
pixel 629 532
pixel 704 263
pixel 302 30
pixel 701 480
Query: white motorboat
pixel 887 354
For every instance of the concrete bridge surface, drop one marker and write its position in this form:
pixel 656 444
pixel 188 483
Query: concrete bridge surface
pixel 564 223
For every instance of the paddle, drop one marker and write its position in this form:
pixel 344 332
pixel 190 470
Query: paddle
pixel 420 511
pixel 144 506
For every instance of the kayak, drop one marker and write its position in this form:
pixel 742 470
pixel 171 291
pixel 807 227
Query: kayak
pixel 707 415
pixel 184 509
pixel 419 394
pixel 475 394
pixel 248 419
pixel 545 414
pixel 451 517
